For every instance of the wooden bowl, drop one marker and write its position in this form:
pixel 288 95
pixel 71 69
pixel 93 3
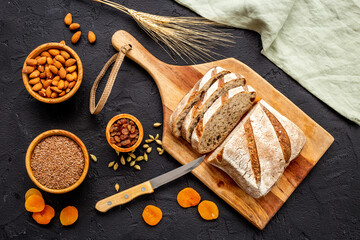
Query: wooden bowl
pixel 138 124
pixel 73 54
pixel 59 133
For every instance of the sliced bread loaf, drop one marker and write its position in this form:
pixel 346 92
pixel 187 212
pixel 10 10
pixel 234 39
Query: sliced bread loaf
pixel 218 88
pixel 221 118
pixel 192 97
pixel 259 149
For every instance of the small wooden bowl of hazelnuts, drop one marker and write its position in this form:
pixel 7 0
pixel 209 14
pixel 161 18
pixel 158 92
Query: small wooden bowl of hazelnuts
pixel 52 73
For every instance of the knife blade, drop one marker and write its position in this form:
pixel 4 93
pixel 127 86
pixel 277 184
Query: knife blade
pixel 146 187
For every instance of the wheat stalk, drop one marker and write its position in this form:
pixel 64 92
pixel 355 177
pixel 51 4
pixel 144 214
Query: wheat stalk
pixel 188 37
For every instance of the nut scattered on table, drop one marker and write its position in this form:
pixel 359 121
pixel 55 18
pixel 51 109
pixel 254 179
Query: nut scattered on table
pixel 91 37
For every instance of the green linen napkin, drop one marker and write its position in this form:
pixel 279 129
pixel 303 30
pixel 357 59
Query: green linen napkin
pixel 317 42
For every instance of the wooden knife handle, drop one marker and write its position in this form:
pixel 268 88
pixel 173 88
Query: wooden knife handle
pixel 124 196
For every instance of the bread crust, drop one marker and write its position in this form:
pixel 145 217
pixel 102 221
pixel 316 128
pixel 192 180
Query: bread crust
pixel 236 157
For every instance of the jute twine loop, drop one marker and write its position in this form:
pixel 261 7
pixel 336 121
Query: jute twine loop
pixel 118 59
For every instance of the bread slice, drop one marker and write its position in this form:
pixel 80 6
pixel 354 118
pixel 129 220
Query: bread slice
pixel 182 109
pixel 218 88
pixel 221 118
pixel 259 149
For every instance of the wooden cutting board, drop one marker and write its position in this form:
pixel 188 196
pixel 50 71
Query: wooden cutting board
pixel 175 81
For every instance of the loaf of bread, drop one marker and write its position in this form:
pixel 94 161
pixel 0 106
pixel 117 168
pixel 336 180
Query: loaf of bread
pixel 182 109
pixel 218 88
pixel 221 118
pixel 259 149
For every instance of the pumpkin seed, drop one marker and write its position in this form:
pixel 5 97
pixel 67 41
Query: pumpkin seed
pixel 146 146
pixel 161 152
pixel 117 187
pixel 146 157
pixel 151 137
pixel 128 159
pixel 116 166
pixel 149 150
pixel 149 140
pixel 132 155
pixel 157 136
pixel 158 149
pixel 158 141
pixel 137 167
pixel 133 150
pixel 111 164
pixel 157 124
pixel 139 158
pixel 93 157
pixel 132 163
pixel 122 160
pixel 117 152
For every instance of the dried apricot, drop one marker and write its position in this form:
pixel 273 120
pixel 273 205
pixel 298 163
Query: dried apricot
pixel 32 191
pixel 188 197
pixel 44 217
pixel 208 210
pixel 68 215
pixel 152 215
pixel 35 203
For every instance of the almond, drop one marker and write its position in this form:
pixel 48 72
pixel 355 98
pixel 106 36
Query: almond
pixel 62 94
pixel 55 83
pixel 62 42
pixel 60 59
pixel 75 38
pixel 45 54
pixel 74 74
pixel 28 69
pixel 41 68
pixel 47 84
pixel 54 52
pixel 68 19
pixel 66 84
pixel 43 74
pixel 70 62
pixel 56 78
pixel 61 84
pixel 34 81
pixel 71 69
pixel 31 62
pixel 74 26
pixel 41 61
pixel 69 77
pixel 54 95
pixel 48 92
pixel 62 72
pixel 65 54
pixel 57 64
pixel 37 87
pixel 91 37
pixel 34 74
pixel 55 89
pixel 42 93
pixel 71 85
pixel 53 69
pixel 49 61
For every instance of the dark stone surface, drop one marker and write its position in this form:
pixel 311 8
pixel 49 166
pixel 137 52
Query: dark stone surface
pixel 325 206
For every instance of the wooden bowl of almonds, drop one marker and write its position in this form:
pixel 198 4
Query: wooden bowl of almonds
pixel 52 73
pixel 124 132
pixel 57 161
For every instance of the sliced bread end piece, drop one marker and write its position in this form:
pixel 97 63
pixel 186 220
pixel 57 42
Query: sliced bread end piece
pixel 218 88
pixel 182 109
pixel 221 118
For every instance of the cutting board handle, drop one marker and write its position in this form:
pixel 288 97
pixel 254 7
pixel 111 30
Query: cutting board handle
pixel 138 53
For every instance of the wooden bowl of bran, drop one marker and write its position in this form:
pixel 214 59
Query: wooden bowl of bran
pixel 39 139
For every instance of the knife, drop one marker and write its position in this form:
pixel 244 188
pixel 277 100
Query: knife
pixel 146 187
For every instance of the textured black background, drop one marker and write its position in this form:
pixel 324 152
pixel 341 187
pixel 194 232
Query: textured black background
pixel 325 206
